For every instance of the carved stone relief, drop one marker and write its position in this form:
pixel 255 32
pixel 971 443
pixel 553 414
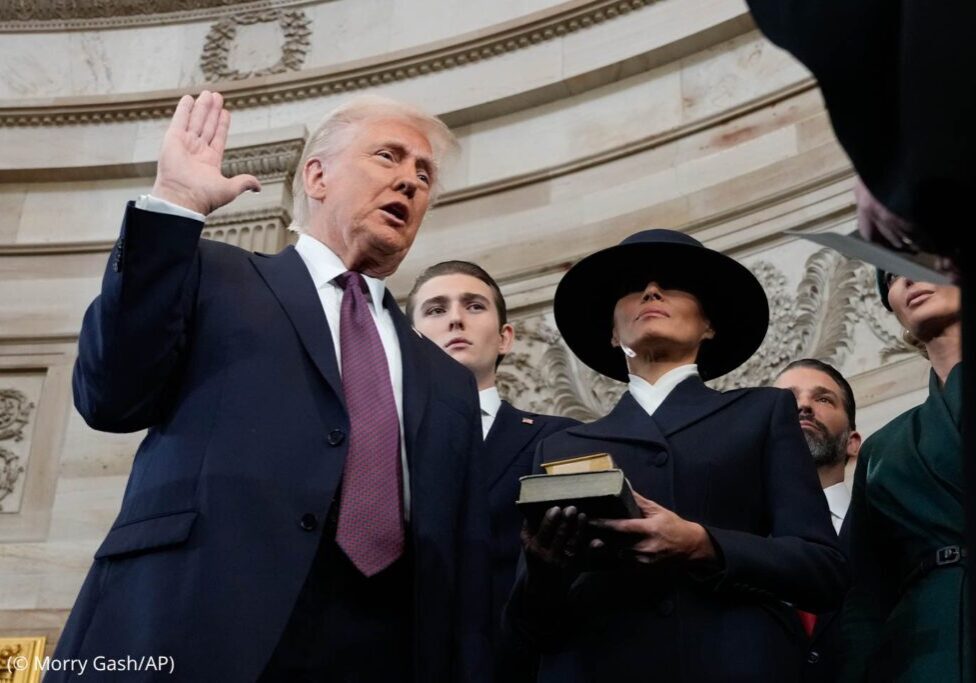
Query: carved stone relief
pixel 269 162
pixel 294 25
pixel 816 319
pixel 15 414
pixel 265 231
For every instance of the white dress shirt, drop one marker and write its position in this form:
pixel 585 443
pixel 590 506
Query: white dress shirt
pixel 838 500
pixel 490 403
pixel 651 396
pixel 324 266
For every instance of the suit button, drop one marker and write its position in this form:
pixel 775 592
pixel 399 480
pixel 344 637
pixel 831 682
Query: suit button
pixel 660 458
pixel 308 522
pixel 666 608
pixel 813 657
pixel 336 437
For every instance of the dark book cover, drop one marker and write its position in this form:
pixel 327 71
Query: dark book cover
pixel 599 494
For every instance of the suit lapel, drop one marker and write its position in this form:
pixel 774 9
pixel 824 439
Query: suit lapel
pixel 626 422
pixel 690 402
pixel 416 376
pixel 506 439
pixel 285 273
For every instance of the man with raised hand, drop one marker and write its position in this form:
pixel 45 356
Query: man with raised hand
pixel 308 503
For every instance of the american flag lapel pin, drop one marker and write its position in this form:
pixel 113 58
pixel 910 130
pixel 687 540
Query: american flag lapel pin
pixel 528 421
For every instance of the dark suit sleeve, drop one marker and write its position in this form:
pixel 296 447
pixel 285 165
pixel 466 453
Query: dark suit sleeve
pixel 873 583
pixel 536 612
pixel 473 614
pixel 132 340
pixel 799 561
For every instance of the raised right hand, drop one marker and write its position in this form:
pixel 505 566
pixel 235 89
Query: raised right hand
pixel 188 173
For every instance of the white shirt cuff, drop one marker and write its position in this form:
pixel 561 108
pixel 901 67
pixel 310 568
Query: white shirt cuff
pixel 147 202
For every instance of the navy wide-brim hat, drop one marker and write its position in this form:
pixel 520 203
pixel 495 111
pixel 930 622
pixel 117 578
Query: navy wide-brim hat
pixel 730 295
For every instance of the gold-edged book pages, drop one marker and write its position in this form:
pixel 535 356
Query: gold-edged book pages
pixel 21 659
pixel 595 462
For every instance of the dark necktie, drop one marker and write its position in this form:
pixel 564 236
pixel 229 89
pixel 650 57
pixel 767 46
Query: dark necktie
pixel 370 528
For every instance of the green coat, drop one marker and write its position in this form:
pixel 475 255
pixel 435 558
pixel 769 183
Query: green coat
pixel 907 501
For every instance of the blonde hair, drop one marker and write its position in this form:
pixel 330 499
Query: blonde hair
pixel 333 133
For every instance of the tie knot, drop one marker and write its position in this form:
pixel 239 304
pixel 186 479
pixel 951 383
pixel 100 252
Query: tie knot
pixel 351 277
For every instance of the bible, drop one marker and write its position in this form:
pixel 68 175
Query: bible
pixel 591 483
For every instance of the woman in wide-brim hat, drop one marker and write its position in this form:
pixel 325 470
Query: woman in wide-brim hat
pixel 735 532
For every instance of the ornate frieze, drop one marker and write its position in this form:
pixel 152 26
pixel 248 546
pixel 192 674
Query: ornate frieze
pixel 57 15
pixel 815 319
pixel 265 230
pixel 421 63
pixel 268 162
pixel 15 413
pixel 294 25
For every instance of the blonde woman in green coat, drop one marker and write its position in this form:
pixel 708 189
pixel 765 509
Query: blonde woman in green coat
pixel 904 618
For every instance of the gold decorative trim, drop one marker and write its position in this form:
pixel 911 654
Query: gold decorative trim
pixel 19 658
pixel 294 25
pixel 318 83
pixel 28 16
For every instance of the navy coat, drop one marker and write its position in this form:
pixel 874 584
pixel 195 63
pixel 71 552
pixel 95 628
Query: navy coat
pixel 226 357
pixel 510 447
pixel 737 463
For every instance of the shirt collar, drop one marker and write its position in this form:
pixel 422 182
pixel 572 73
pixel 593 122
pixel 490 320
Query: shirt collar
pixel 651 396
pixel 838 499
pixel 666 382
pixel 324 266
pixel 490 401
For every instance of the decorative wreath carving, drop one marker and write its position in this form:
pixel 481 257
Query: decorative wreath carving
pixel 294 24
pixel 15 411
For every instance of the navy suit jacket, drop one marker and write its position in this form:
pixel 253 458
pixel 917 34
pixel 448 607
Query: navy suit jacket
pixel 822 653
pixel 226 357
pixel 510 447
pixel 737 463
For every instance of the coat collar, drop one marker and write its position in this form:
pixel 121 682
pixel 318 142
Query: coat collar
pixel 509 434
pixel 288 278
pixel 688 403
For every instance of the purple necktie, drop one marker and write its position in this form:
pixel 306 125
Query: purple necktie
pixel 370 529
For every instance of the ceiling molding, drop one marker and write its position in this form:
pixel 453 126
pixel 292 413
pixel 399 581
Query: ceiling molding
pixel 34 16
pixel 276 216
pixel 277 160
pixel 699 226
pixel 268 161
pixel 277 89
